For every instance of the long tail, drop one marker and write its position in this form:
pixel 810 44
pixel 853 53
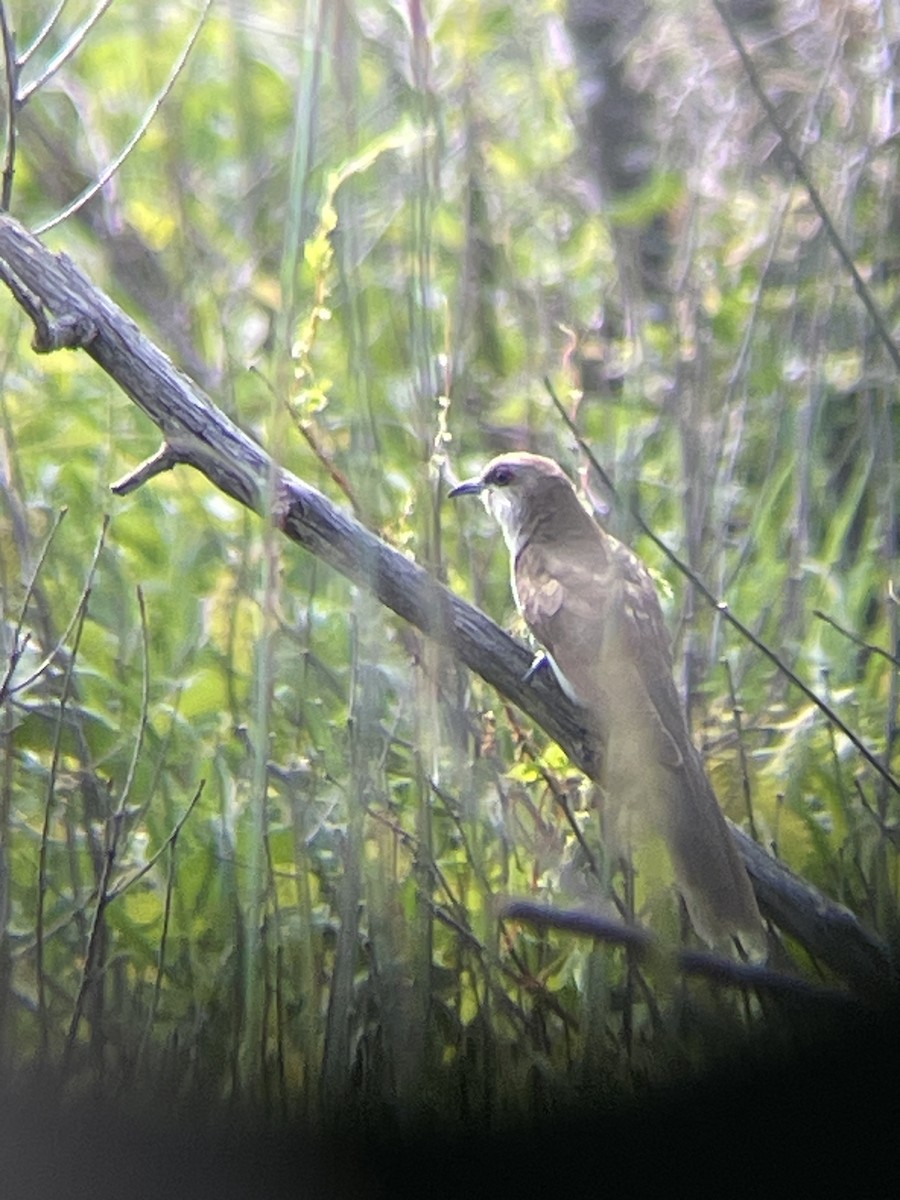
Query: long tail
pixel 709 871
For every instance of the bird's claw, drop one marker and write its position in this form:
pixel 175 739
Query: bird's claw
pixel 538 663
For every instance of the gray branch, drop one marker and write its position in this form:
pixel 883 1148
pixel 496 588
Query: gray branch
pixel 61 301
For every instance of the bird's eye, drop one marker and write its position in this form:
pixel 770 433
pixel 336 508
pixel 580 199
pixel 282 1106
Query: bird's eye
pixel 501 476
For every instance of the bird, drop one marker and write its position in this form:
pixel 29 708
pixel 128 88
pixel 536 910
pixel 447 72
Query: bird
pixel 593 606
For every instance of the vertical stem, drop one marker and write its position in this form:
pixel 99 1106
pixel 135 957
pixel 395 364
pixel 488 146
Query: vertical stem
pixel 306 113
pixel 252 1065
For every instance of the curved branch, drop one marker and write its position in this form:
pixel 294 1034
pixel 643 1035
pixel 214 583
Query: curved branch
pixel 195 432
pixel 42 34
pixel 77 39
pixel 143 125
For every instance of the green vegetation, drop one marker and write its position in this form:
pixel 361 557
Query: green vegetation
pixel 254 829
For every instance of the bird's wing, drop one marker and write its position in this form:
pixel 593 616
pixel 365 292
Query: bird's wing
pixel 555 589
pixel 597 613
pixel 641 627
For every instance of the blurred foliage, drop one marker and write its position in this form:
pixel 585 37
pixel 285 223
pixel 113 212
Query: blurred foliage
pixel 253 840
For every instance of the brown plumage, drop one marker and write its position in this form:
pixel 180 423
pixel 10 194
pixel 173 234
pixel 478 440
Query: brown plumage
pixel 592 604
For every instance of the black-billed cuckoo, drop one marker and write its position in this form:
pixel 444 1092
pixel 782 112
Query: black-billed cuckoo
pixel 593 606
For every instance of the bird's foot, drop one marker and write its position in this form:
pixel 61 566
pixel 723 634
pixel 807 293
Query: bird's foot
pixel 539 663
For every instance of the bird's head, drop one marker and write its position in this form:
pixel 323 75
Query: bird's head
pixel 517 490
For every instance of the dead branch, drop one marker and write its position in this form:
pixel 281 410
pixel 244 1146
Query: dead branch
pixel 706 965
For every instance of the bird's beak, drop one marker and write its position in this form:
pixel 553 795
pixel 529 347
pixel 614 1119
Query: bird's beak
pixel 468 487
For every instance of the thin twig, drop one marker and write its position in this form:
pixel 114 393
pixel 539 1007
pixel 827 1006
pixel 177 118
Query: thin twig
pixel 153 1007
pixel 92 955
pixel 307 431
pixel 165 459
pixel 42 34
pixel 106 895
pixel 736 713
pixel 812 191
pixel 71 46
pixel 855 638
pixel 18 641
pixel 12 108
pixel 556 791
pixel 107 173
pixel 151 862
pixel 145 705
pixel 51 788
